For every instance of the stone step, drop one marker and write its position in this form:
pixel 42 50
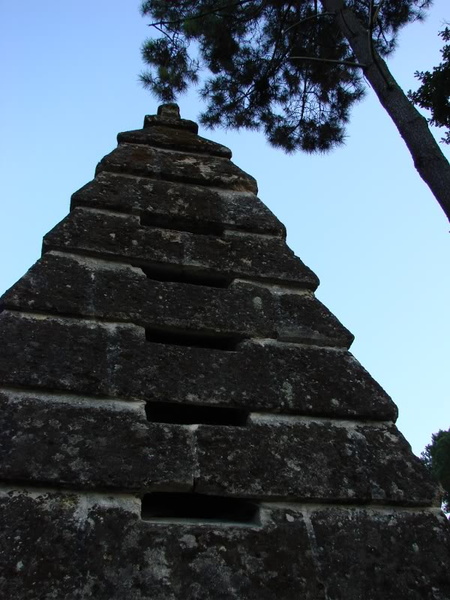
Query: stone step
pixel 123 238
pixel 163 137
pixel 311 460
pixel 361 552
pixel 78 286
pixel 179 203
pixel 171 165
pixel 99 446
pixel 83 444
pixel 95 358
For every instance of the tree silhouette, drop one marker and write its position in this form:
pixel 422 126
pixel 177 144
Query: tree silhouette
pixel 293 69
pixel 436 457
pixel 434 93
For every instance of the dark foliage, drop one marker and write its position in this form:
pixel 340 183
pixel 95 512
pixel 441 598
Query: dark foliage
pixel 436 457
pixel 283 67
pixel 434 93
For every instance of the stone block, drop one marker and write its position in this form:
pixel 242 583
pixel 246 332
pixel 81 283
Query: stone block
pixel 280 378
pixel 178 204
pixel 78 286
pixel 181 140
pixel 107 444
pixel 169 116
pixel 311 460
pixel 64 354
pixel 382 555
pixel 73 442
pixel 304 318
pixel 318 553
pixel 123 238
pixel 145 161
pixel 88 357
pixel 95 546
pixel 92 290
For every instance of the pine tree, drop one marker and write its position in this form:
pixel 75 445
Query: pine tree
pixel 293 69
pixel 434 93
pixel 436 457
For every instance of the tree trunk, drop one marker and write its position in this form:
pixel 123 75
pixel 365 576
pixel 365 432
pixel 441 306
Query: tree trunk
pixel 428 158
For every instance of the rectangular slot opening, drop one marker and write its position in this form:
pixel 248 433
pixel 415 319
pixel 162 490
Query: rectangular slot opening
pixel 181 224
pixel 159 273
pixel 190 414
pixel 192 338
pixel 199 508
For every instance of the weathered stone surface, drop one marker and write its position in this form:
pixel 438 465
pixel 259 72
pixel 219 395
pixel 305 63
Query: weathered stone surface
pixel 97 445
pixel 312 460
pixel 123 238
pixel 106 445
pixel 75 285
pixel 97 546
pixel 64 354
pixel 181 140
pixel 278 378
pixel 76 443
pixel 116 360
pixel 93 546
pixel 212 171
pixel 179 205
pixel 382 555
pixel 169 116
pixel 302 318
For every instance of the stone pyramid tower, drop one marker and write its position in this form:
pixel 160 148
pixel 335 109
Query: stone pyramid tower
pixel 181 418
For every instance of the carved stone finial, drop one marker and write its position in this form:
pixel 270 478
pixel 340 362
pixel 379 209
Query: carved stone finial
pixel 169 111
pixel 169 116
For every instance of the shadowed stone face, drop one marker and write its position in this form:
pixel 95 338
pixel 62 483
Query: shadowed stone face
pixel 178 204
pixel 97 546
pixel 100 359
pixel 180 417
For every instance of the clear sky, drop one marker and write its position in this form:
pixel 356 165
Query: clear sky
pixel 360 217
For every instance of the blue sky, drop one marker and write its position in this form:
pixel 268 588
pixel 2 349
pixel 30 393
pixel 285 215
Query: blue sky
pixel 360 217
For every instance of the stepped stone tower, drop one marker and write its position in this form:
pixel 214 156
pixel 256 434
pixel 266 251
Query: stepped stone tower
pixel 181 418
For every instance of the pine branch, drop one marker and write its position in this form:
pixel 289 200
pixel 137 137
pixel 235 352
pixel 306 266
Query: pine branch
pixel 311 18
pixel 198 16
pixel 348 63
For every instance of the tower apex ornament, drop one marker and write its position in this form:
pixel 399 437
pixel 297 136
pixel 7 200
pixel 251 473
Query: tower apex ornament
pixel 169 111
pixel 168 115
